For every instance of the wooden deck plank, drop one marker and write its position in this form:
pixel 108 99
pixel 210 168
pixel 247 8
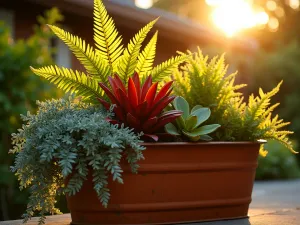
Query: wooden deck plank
pixel 51 220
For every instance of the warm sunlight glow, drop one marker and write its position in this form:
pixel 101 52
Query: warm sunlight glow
pixel 232 16
pixel 213 2
pixel 279 12
pixel 144 4
pixel 261 18
pixel 271 5
pixel 273 24
pixel 294 4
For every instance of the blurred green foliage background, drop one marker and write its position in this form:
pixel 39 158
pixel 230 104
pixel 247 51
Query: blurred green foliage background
pixel 279 163
pixel 19 90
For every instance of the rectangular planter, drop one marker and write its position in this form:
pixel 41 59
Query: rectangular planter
pixel 176 183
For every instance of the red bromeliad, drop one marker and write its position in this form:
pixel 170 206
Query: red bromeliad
pixel 140 107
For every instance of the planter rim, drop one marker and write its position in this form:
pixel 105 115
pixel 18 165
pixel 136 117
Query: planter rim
pixel 204 143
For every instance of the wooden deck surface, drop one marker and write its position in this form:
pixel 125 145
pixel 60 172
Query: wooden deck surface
pixel 51 220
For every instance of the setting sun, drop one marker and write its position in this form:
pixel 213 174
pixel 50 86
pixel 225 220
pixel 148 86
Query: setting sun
pixel 144 4
pixel 235 15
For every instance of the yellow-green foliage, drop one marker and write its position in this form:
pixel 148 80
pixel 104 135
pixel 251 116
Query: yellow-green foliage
pixel 106 58
pixel 206 83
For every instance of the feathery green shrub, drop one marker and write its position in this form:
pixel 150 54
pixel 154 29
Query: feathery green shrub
pixel 66 139
pixel 206 83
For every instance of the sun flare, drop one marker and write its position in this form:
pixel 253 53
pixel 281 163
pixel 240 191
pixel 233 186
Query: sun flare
pixel 233 16
pixel 144 4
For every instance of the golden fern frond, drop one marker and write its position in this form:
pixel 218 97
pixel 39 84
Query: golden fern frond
pixel 218 68
pixel 283 140
pixel 193 67
pixel 230 76
pixel 106 37
pixel 200 58
pixel 166 68
pixel 146 58
pixel 85 53
pixel 181 85
pixel 258 105
pixel 270 109
pixel 282 124
pixel 70 81
pixel 284 132
pixel 238 87
pixel 129 59
pixel 262 151
pixel 271 128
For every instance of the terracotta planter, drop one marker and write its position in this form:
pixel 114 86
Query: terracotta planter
pixel 177 183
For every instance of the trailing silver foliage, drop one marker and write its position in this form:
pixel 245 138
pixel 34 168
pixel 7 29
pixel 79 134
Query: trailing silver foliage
pixel 67 139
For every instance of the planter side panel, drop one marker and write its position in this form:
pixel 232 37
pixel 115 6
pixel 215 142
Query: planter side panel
pixel 176 184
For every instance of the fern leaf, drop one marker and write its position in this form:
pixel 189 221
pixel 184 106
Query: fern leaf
pixel 166 68
pixel 283 124
pixel 129 59
pixel 284 132
pixel 70 81
pixel 181 86
pixel 283 140
pixel 92 62
pixel 107 39
pixel 262 151
pixel 146 58
pixel 257 106
pixel 270 109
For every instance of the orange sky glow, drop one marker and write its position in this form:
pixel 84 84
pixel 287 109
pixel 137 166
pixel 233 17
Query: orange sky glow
pixel 234 16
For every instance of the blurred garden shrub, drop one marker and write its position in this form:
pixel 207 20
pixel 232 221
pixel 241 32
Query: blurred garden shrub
pixel 19 89
pixel 280 163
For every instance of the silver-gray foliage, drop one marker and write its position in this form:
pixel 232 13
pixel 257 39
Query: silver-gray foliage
pixel 67 139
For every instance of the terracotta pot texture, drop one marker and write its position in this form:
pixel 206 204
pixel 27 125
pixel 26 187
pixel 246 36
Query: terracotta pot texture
pixel 176 183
